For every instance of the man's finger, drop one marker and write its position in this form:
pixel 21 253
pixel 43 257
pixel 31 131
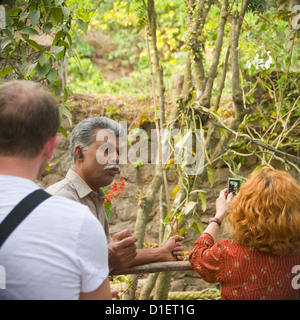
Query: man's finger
pixel 127 242
pixel 122 234
pixel 177 238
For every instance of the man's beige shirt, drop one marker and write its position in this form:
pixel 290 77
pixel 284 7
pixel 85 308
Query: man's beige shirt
pixel 75 188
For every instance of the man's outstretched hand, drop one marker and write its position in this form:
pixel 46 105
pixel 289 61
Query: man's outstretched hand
pixel 172 250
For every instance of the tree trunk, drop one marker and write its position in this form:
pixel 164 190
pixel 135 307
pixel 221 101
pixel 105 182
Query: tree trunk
pixel 237 96
pixel 206 97
pixel 163 286
pixel 149 285
pixel 145 207
pixel 158 67
pixel 196 17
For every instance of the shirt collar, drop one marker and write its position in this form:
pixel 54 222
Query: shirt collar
pixel 81 186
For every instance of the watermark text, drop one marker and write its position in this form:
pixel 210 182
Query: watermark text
pixel 296 278
pixel 2 278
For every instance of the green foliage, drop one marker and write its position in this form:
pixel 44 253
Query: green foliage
pixel 124 22
pixel 36 41
pixel 36 19
pixel 87 77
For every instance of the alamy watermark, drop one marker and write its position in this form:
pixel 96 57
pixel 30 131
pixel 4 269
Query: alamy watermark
pixel 2 278
pixel 2 18
pixel 184 148
pixel 296 19
pixel 296 278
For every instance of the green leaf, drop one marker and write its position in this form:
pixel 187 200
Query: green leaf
pixel 28 68
pixel 167 219
pixel 35 17
pixel 71 53
pixel 51 76
pixel 107 208
pixel 175 191
pixel 44 69
pixel 258 168
pixel 34 45
pixel 69 38
pixel 63 43
pixel 182 231
pixel 211 175
pixel 14 12
pixel 57 49
pixel 57 14
pixel 57 37
pixel 66 94
pixel 4 43
pixel 66 12
pixel 108 212
pixel 5 71
pixel 203 201
pixel 28 30
pixel 58 2
pixel 42 60
pixel 66 112
pixel 63 131
pixel 24 15
pixel 82 25
pixel 8 22
pixel 197 225
pixel 189 207
pixel 47 27
pixel 238 167
pixel 10 34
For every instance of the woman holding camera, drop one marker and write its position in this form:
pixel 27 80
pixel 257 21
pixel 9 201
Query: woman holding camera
pixel 263 259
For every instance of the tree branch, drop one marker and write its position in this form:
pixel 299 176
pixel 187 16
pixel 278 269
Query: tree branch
pixel 155 267
pixel 197 14
pixel 206 97
pixel 220 124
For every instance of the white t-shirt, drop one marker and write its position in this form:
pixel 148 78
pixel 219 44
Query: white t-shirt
pixel 58 251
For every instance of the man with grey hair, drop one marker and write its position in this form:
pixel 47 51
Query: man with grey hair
pixel 94 151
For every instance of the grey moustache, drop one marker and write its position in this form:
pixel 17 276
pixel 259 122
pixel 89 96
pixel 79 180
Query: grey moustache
pixel 112 167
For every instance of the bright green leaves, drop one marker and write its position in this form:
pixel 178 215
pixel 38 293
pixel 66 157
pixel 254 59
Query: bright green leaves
pixel 5 71
pixel 37 40
pixel 28 30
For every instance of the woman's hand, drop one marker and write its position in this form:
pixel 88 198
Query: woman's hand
pixel 222 206
pixel 223 203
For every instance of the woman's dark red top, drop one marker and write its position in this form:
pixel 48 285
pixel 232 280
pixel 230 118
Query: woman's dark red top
pixel 246 274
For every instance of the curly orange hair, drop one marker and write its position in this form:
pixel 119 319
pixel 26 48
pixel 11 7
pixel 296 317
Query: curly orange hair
pixel 265 214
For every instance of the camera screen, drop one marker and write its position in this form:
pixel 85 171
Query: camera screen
pixel 233 185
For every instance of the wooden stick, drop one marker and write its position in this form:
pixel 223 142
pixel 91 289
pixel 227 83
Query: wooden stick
pixel 154 267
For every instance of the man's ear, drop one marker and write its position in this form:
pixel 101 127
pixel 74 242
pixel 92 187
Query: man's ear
pixel 78 153
pixel 50 147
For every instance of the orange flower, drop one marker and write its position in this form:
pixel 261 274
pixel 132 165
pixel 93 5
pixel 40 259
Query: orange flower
pixel 115 190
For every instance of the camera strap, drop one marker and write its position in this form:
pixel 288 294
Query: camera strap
pixel 20 212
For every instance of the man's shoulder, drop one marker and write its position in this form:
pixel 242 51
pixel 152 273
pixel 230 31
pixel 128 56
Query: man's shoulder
pixel 63 188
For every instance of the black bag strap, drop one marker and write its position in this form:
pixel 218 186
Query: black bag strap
pixel 20 212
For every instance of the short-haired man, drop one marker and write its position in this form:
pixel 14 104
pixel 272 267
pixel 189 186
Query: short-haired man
pixel 51 254
pixel 93 168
